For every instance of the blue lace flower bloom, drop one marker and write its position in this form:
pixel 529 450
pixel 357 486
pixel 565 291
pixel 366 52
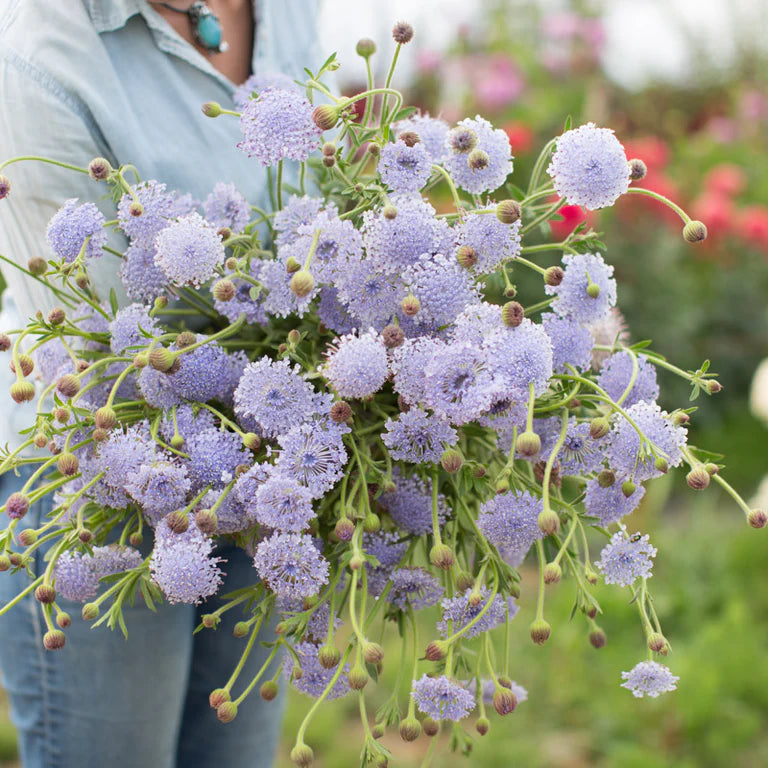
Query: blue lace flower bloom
pixel 260 81
pixel 71 226
pixel 477 322
pixel 494 143
pixel 610 504
pixel 589 167
pixel 626 558
pixel 277 126
pixel 290 565
pixel 314 676
pixel 649 678
pixel 159 208
pixel 418 437
pixel 214 454
pixel 159 488
pixel 431 130
pixel 156 388
pixel 571 297
pixel 404 168
pixel 511 520
pixel 76 575
pixel 410 504
pixel 571 342
pixel 370 296
pixel 126 329
pixel 142 279
pixel 623 442
pixel 182 566
pixel 616 374
pixel 493 241
pixel 442 698
pixel 579 454
pixel 357 365
pixel 189 250
pixel 284 505
pixel 202 374
pixel 280 300
pixel 226 207
pixel 407 364
pixel 461 610
pixel 297 212
pixel 415 587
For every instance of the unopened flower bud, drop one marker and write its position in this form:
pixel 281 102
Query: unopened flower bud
pixel 5 563
pixel 552 573
pixel 628 488
pixel 540 631
pixel 22 391
pixel 606 478
pixel 697 478
pixel 462 140
pixel 661 464
pixel 328 656
pixel 356 563
pixel 373 149
pixel 5 342
pixel 206 521
pixel 466 256
pixel 598 638
pixel 161 359
pixel 757 518
pixel 402 32
pixel 409 138
pixel 329 161
pixel 302 283
pixel 5 186
pixel 373 653
pixel 177 521
pixel 593 290
pixel 451 460
pixel 99 169
pixel 365 47
pixel 549 522
pixel 26 364
pixel 637 169
pixel 37 265
pixel 436 650
pixel 251 441
pixel 658 643
pixel 357 678
pixel 680 418
pixel 105 418
pixel 410 729
pixel 54 639
pixel 714 386
pixel 84 535
pixel 241 629
pixel 694 232
pixel 528 443
pixel 226 711
pixel 431 727
pixel 389 212
pixel 211 109
pixel 483 725
pixel 325 116
pixel 599 427
pixel 56 316
pixel 218 696
pixel 27 537
pixel 68 464
pixel 504 701
pixel 441 556
pixel 17 505
pixel 302 755
pixel 554 276
pixel 508 211
pixel 41 440
pixel 63 620
pixel 344 529
pixel 90 611
pixel 45 594
pixel 392 336
pixel 478 160
pixel 224 290
pixel 410 305
pixel 135 539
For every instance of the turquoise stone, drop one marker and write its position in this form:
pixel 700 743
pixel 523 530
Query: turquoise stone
pixel 209 31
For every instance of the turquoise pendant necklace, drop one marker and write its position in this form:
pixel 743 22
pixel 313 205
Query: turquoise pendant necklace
pixel 206 26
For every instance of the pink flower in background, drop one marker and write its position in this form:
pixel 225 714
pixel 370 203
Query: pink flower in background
pixel 752 225
pixel 495 80
pixel 427 61
pixel 725 179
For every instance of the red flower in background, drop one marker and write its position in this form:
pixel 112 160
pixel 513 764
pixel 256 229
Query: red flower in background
pixel 752 225
pixel 725 180
pixel 572 215
pixel 520 137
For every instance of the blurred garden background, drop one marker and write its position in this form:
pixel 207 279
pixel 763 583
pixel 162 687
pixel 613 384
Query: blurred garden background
pixel 696 112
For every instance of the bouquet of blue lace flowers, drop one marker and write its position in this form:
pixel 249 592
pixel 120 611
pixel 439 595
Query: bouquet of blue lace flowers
pixel 349 388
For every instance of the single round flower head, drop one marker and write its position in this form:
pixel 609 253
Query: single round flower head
pixel 189 250
pixel 579 454
pixel 518 357
pixel 410 504
pixel 142 279
pixel 589 167
pixel 182 566
pixel 280 300
pixel 457 384
pixel 442 698
pixel 337 244
pixel 418 437
pixel 315 677
pixel 405 168
pixel 442 287
pixel 371 296
pixel 334 314
pixel 357 365
pixel 407 365
pixel 510 520
pixel 226 207
pixel 462 610
pixel 115 558
pixel 157 209
pixel 395 243
pixel 415 587
pixel 431 130
pixel 290 565
pixel 626 558
pixel 278 126
pixel 202 372
pixel 314 455
pixel 75 228
pixel 588 290
pixel 283 504
pixel 491 241
pixel 649 678
pixel 129 328
pixel 260 81
pixel 617 372
pixel 572 342
pixel 213 456
pixel 623 447
pixel 489 140
pixel 75 577
pixel 159 488
pixel 297 212
pixel 156 388
pixel 610 504
pixel 277 397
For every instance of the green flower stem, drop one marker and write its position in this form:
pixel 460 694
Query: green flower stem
pixel 543 247
pixel 451 186
pixel 352 610
pixel 8 460
pixel 538 167
pixel 39 159
pixel 488 664
pixel 731 491
pixel 551 462
pixel 530 265
pixel 239 700
pixel 435 518
pixel 416 649
pixel 230 330
pixel 492 594
pixel 656 196
pixel 632 378
pixel 542 563
pixel 370 85
pixel 16 600
pixel 388 83
pixel 545 216
pixel 279 191
pixel 533 308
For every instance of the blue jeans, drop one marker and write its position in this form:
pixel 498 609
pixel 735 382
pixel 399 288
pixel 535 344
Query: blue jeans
pixel 103 700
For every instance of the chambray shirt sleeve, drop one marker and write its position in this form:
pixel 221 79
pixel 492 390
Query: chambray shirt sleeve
pixel 37 119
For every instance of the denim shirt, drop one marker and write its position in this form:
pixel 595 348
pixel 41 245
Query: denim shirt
pixel 111 78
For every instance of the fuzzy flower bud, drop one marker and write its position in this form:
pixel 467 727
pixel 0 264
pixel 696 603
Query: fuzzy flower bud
pixel 466 256
pixel 504 701
pixel 373 653
pixel 441 556
pixel 357 678
pixel 410 305
pixel 478 159
pixel 211 109
pixel 227 711
pixel 528 443
pixel 54 639
pixel 365 47
pixel 554 276
pixel 224 290
pixel 658 643
pixel 17 505
pixel 63 620
pixel 325 117
pixel 628 488
pixel 508 211
pixel 694 232
pixel 637 169
pixel 483 725
pixel 697 478
pixel 302 755
pixel 402 32
pixel 206 521
pixel 56 316
pixel 178 522
pixel 5 186
pixel 302 283
pixel 344 529
pixel 757 518
pixel 217 697
pixel 161 359
pixel 599 427
pixel 45 594
pixel 22 391
pixel 512 313
pixel 341 412
pixel 598 638
pixel 540 631
pixel 552 573
pixel 68 464
pixel 37 265
pixel 269 690
pixel 392 336
pixel 328 656
pixel 99 169
pixel 436 650
pixel 431 727
pixel 451 461
pixel 410 729
pixel 90 611
pixel 548 522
